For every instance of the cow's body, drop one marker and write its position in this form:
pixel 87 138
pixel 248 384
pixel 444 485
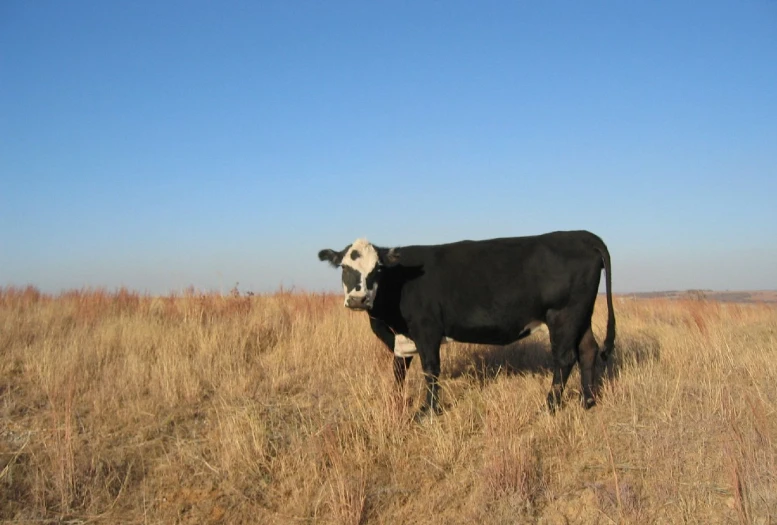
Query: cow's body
pixel 490 292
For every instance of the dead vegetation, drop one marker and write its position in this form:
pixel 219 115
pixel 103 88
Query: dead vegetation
pixel 120 408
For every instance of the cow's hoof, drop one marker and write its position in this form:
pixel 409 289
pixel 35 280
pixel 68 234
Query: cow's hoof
pixel 421 416
pixel 425 413
pixel 589 402
pixel 553 403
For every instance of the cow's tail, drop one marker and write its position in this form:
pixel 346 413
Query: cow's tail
pixel 609 340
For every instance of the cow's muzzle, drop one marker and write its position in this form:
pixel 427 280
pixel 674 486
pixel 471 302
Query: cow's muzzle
pixel 357 302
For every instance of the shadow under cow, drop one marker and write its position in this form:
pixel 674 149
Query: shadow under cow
pixel 486 362
pixel 632 350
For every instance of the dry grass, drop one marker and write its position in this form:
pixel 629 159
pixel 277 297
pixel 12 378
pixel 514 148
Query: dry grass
pixel 119 408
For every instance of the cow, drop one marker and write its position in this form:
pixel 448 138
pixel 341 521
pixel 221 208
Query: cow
pixel 493 292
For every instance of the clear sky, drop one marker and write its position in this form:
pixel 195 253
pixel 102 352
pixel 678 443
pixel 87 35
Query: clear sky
pixel 161 144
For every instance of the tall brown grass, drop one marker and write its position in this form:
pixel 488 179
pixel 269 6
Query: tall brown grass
pixel 123 408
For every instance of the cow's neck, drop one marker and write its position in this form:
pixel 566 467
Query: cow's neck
pixel 386 309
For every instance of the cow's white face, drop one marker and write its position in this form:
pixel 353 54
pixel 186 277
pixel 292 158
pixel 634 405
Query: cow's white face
pixel 361 268
pixel 362 264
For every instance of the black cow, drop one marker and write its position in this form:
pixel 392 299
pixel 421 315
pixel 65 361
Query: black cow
pixel 489 292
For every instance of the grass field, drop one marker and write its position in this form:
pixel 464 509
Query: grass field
pixel 120 408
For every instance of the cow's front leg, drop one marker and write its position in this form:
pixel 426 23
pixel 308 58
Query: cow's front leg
pixel 401 364
pixel 432 403
pixel 385 334
pixel 430 362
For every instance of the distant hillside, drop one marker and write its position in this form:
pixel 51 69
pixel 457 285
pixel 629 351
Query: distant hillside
pixel 758 296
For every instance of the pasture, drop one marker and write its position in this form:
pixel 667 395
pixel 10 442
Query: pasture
pixel 122 408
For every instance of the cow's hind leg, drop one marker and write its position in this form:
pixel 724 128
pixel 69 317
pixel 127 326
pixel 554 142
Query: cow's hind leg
pixel 562 367
pixel 571 341
pixel 588 350
pixel 563 347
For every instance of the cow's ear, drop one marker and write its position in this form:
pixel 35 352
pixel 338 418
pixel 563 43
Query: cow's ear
pixel 389 257
pixel 334 258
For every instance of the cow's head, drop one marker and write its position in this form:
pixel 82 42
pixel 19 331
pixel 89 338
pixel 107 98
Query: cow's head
pixel 362 264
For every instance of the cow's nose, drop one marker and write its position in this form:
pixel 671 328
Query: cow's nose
pixel 357 302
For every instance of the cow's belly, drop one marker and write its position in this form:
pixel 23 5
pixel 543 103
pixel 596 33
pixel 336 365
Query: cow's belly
pixel 405 347
pixel 493 334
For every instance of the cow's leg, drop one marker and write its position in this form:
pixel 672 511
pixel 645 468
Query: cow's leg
pixel 429 352
pixel 589 349
pixel 562 367
pixel 384 333
pixel 564 349
pixel 401 365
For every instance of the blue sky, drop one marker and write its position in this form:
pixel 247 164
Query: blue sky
pixel 158 145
